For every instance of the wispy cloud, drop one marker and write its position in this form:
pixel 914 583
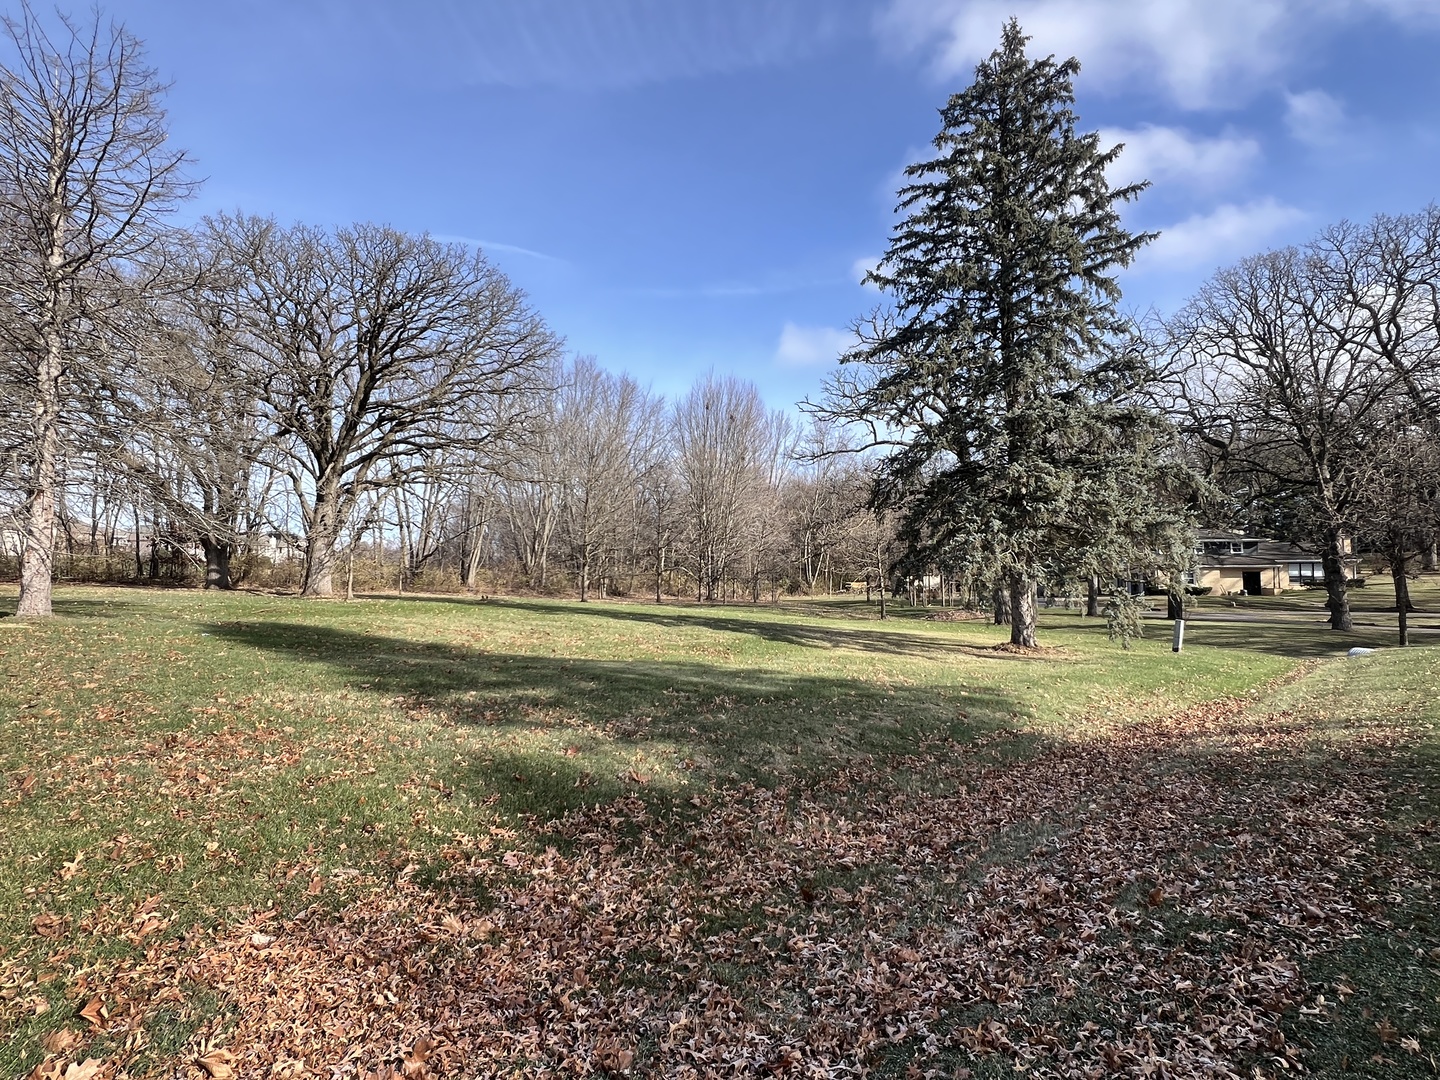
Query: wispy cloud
pixel 1228 232
pixel 1200 53
pixel 495 245
pixel 1315 118
pixel 601 43
pixel 811 346
pixel 1174 156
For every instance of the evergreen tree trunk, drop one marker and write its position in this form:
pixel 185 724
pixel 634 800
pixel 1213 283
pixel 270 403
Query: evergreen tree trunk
pixel 1002 598
pixel 1092 596
pixel 1022 610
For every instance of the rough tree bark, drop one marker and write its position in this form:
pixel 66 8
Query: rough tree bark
pixel 1003 603
pixel 1337 582
pixel 217 561
pixel 37 561
pixel 1022 610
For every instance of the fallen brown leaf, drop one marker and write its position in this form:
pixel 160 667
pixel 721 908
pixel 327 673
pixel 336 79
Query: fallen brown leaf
pixel 217 1063
pixel 60 1042
pixel 95 1013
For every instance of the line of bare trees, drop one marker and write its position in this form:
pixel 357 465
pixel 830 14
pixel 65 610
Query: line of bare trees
pixel 1308 383
pixel 246 395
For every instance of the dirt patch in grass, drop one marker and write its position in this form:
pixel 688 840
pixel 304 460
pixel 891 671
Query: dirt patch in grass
pixel 956 615
pixel 1048 652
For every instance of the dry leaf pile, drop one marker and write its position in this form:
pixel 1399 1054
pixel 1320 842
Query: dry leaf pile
pixel 1144 905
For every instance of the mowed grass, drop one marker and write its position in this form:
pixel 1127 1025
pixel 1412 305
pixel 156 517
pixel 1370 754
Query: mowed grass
pixel 1372 604
pixel 174 760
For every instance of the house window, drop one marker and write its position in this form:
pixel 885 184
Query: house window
pixel 1236 547
pixel 1306 573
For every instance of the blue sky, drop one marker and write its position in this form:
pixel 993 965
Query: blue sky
pixel 683 185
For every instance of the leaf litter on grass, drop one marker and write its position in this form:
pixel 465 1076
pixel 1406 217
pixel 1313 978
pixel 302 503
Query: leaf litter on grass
pixel 1155 902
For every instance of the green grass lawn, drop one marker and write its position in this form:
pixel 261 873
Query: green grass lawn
pixel 1372 604
pixel 183 767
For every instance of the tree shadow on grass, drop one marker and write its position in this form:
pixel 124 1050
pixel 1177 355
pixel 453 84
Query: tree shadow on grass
pixel 81 608
pixel 552 720
pixel 1298 641
pixel 763 622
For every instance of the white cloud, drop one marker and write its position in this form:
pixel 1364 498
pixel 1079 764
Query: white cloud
pixel 1167 155
pixel 1201 53
pixel 862 266
pixel 1228 232
pixel 811 346
pixel 1314 117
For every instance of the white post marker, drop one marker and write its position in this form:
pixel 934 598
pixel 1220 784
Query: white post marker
pixel 1178 640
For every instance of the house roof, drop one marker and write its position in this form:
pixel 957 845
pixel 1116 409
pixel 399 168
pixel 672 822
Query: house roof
pixel 1214 536
pixel 1265 554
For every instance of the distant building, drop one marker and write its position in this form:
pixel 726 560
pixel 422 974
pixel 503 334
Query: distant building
pixel 1236 562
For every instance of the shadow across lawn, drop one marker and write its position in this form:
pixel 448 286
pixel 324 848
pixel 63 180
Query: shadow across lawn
pixel 75 607
pixel 759 622
pixel 749 724
pixel 1294 639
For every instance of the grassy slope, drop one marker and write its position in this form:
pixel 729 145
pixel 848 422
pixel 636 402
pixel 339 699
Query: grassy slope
pixel 203 756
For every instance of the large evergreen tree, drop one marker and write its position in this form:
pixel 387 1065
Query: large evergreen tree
pixel 1002 373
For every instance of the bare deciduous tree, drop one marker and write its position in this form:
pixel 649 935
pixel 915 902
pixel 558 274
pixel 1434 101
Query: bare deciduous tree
pixel 374 349
pixel 1290 367
pixel 607 428
pixel 85 175
pixel 725 446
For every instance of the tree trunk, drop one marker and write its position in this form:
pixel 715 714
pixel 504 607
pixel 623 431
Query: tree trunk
pixel 139 555
pixel 1336 582
pixel 471 563
pixel 217 562
pixel 1402 605
pixel 882 577
pixel 1399 565
pixel 1001 598
pixel 324 532
pixel 1022 610
pixel 1400 574
pixel 37 560
pixel 584 573
pixel 1430 555
pixel 1092 596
